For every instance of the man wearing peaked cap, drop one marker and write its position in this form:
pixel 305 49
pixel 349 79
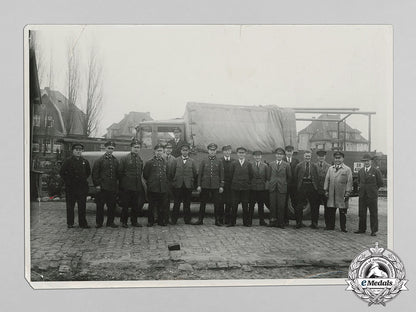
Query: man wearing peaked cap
pixel 258 187
pixel 131 188
pixel 110 143
pixel 243 149
pixel 322 168
pixel 226 201
pixel 177 142
pixel 105 174
pixel 291 187
pixel 74 171
pixel 210 184
pixel 369 181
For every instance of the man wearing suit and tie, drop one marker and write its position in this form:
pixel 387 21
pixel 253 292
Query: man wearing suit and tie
pixel 183 176
pixel 241 175
pixel 338 186
pixel 177 142
pixel 279 175
pixel 292 187
pixel 226 200
pixel 369 181
pixel 322 167
pixel 306 176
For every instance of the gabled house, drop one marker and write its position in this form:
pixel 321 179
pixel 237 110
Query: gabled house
pixel 126 128
pixel 324 135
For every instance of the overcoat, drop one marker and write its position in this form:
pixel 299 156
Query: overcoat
pixel 154 172
pixel 105 173
pixel 74 172
pixel 338 183
pixel 131 170
pixel 211 173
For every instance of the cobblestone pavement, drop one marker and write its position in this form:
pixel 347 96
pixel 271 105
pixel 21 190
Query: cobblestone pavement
pixel 207 251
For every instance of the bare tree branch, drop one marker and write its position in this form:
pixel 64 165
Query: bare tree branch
pixel 94 93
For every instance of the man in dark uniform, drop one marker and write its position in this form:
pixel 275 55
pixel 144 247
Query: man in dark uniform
pixel 170 159
pixel 241 175
pixel 279 175
pixel 306 176
pixel 183 175
pixel 210 185
pixel 258 187
pixel 74 171
pixel 226 201
pixel 322 167
pixel 105 174
pixel 369 181
pixel 131 168
pixel 155 174
pixel 177 142
pixel 292 187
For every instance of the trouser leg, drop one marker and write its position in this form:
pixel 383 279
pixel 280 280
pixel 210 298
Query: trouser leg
pixel 99 201
pixel 202 205
pixel 280 207
pixel 245 197
pixel 331 217
pixel 111 207
pixel 260 206
pixel 151 208
pixel 273 208
pixel 82 208
pixel 134 207
pixel 125 201
pixel 362 214
pixel 161 208
pixel 176 205
pixel 70 205
pixel 218 212
pixel 301 200
pixel 187 197
pixel 343 218
pixel 372 205
pixel 234 207
pixel 314 201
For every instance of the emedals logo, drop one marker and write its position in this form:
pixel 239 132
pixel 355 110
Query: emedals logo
pixel 376 275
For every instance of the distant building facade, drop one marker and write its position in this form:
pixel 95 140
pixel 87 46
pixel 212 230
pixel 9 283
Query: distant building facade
pixel 324 135
pixel 126 128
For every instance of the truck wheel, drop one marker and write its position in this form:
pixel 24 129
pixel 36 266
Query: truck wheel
pixel 306 210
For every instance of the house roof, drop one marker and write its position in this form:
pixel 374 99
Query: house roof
pixel 131 119
pixel 61 103
pixel 320 130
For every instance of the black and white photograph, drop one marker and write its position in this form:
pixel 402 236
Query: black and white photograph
pixel 205 155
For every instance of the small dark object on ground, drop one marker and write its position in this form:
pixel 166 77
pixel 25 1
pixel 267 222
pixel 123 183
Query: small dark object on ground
pixel 174 246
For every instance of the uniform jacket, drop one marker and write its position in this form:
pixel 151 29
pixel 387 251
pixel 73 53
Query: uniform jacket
pixel 241 176
pixel 260 176
pixel 176 147
pixel 279 176
pixel 155 174
pixel 169 163
pixel 227 171
pixel 184 173
pixel 211 173
pixel 300 172
pixel 105 173
pixel 293 165
pixel 338 184
pixel 321 175
pixel 369 183
pixel 74 172
pixel 131 170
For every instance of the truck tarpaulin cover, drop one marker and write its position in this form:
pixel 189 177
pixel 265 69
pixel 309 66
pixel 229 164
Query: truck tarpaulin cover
pixel 261 128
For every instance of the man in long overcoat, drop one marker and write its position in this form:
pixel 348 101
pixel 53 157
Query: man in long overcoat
pixel 74 171
pixel 131 188
pixel 105 177
pixel 338 186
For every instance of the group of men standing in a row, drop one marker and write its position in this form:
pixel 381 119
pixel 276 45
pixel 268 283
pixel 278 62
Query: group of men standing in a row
pixel 172 175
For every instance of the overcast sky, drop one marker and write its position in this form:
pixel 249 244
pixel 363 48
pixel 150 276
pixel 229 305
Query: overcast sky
pixel 158 69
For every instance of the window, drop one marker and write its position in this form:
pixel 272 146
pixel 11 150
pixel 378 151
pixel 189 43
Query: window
pixel 47 145
pixel 49 122
pixel 57 148
pixel 146 137
pixel 36 120
pixel 164 134
pixel 35 146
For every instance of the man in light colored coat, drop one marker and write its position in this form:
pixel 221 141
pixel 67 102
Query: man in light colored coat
pixel 280 174
pixel 338 186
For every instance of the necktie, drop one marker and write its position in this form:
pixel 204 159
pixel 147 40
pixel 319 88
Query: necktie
pixel 257 164
pixel 320 164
